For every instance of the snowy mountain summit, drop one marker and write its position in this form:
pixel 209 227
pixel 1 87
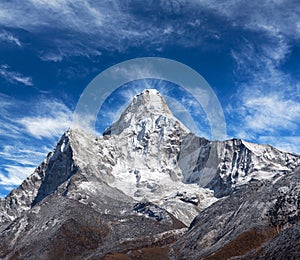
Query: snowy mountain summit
pixel 149 104
pixel 138 186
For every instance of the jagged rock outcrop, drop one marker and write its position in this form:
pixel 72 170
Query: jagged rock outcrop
pixel 223 166
pixel 57 168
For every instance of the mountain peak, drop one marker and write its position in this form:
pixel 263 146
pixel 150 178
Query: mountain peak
pixel 149 177
pixel 152 100
pixel 147 104
pixel 149 101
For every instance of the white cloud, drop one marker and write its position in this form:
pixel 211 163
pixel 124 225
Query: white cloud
pixel 45 126
pixel 25 155
pixel 117 25
pixel 9 38
pixel 80 16
pixel 138 70
pixel 8 126
pixel 284 143
pixel 97 25
pixel 273 17
pixel 269 113
pixel 54 57
pixel 21 151
pixel 15 175
pixel 44 118
pixel 261 62
pixel 266 103
pixel 15 77
pixel 53 119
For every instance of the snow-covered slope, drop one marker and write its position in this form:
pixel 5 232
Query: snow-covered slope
pixel 147 140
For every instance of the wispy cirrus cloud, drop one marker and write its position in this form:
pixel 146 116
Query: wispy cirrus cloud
pixel 23 136
pixel 285 143
pixel 53 57
pixel 89 24
pixel 118 25
pixel 8 127
pixel 18 153
pixel 273 17
pixel 267 100
pixel 93 26
pixel 266 103
pixel 44 118
pixel 268 113
pixel 15 77
pixel 54 119
pixel 8 37
pixel 14 175
pixel 17 161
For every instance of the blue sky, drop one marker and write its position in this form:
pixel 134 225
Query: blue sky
pixel 248 51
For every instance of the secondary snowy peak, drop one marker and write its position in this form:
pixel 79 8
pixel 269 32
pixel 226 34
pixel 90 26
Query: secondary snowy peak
pixel 229 164
pixel 57 168
pixel 147 105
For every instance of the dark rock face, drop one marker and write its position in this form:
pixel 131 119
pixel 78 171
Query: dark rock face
pixel 254 222
pixel 222 166
pixel 71 229
pixel 286 209
pixel 286 245
pixel 56 169
pixel 151 211
pixel 59 169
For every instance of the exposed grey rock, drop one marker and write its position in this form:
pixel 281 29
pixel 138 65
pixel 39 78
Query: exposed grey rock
pixel 60 226
pixel 286 245
pixel 222 166
pixel 57 168
pixel 246 224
